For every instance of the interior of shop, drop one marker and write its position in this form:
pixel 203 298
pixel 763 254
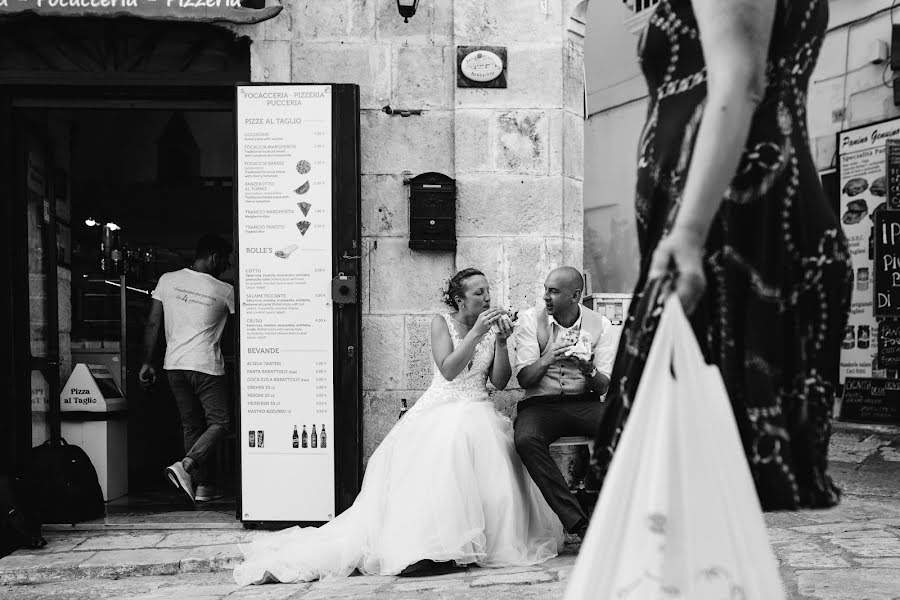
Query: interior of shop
pixel 134 190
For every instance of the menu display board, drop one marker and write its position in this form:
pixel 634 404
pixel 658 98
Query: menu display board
pixel 863 192
pixel 286 348
pixel 887 264
pixel 871 400
pixel 892 167
pixel 889 343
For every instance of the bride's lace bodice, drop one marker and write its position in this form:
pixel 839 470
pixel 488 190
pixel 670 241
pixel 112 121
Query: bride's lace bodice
pixel 473 379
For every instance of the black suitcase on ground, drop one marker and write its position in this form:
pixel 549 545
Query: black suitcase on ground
pixel 19 525
pixel 63 484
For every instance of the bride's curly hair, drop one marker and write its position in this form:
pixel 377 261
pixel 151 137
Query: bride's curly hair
pixel 455 286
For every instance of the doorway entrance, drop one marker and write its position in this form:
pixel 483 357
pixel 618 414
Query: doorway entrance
pixel 120 133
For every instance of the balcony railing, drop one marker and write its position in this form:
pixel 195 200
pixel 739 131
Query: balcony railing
pixel 642 11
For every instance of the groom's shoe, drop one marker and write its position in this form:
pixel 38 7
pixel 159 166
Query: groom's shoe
pixel 418 568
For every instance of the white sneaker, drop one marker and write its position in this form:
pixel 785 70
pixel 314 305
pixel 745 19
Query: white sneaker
pixel 181 479
pixel 205 493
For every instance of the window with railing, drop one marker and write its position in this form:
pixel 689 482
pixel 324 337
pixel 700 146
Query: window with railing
pixel 642 10
pixel 642 5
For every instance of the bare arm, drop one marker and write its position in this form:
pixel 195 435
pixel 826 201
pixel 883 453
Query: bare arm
pixel 531 375
pixel 151 332
pixel 147 374
pixel 501 370
pixel 735 36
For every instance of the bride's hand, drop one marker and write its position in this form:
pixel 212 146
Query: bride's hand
pixel 485 321
pixel 504 328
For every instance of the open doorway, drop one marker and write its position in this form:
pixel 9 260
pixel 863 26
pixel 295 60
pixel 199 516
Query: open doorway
pixel 134 190
pixel 119 121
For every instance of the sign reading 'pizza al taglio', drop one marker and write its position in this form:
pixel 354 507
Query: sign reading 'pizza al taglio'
pixel 168 10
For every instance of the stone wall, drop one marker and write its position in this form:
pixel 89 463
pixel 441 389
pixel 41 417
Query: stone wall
pixel 516 154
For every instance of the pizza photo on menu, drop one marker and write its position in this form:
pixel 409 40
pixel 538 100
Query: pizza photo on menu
pixel 302 189
pixel 304 207
pixel 303 226
pixel 303 167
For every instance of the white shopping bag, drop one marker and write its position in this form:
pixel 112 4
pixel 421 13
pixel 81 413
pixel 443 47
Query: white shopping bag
pixel 678 517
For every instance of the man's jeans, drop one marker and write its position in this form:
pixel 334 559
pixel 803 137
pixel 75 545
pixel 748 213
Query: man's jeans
pixel 203 403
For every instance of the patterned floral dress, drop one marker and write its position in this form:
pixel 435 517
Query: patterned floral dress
pixel 776 260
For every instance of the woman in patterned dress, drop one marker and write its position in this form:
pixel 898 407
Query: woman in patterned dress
pixel 731 213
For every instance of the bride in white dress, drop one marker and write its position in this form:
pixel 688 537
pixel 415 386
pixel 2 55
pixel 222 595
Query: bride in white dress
pixel 446 483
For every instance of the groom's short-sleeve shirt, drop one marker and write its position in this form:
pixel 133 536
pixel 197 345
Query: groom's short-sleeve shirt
pixel 563 378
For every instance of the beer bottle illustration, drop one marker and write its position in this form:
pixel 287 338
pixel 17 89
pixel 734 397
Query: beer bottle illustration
pixel 296 438
pixel 315 438
pixel 322 438
pixel 403 408
pixel 304 438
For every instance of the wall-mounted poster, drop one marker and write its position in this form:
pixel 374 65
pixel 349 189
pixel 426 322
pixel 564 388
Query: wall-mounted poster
pixel 863 193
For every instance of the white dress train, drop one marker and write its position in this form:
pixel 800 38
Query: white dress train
pixel 445 484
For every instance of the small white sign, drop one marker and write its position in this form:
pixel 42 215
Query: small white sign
pixel 91 388
pixel 482 66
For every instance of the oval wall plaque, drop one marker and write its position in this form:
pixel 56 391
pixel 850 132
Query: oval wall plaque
pixel 482 65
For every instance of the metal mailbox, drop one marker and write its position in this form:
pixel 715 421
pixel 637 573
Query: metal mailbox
pixel 432 212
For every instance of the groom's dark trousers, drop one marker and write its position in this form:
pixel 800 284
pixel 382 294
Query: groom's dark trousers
pixel 541 420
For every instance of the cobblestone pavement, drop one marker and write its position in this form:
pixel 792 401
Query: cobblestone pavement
pixel 851 552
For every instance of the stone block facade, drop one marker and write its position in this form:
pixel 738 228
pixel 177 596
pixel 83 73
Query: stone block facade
pixel 515 153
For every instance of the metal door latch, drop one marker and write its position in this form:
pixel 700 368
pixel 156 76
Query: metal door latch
pixel 343 289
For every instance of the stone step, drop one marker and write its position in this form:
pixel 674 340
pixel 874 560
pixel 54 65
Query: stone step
pixel 85 554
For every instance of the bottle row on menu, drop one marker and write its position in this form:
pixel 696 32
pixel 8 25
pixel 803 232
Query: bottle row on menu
pixel 307 440
pixel 256 438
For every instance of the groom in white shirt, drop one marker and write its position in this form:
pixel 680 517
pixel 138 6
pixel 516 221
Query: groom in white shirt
pixel 564 356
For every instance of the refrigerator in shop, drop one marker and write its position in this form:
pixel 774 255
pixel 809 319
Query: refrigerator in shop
pixel 613 306
pixel 297 259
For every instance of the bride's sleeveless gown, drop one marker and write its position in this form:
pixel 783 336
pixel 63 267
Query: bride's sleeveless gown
pixel 445 484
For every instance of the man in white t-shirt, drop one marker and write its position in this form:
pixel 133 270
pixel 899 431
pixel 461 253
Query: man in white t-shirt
pixel 194 304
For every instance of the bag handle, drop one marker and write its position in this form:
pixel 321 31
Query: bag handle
pixel 686 354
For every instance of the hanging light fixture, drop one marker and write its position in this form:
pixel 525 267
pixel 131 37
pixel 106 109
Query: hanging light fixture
pixel 407 8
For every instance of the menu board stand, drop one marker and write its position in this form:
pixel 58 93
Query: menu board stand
pixel 297 227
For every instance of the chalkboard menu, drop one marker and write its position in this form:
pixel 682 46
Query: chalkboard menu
pixel 892 171
pixel 871 400
pixel 889 344
pixel 887 263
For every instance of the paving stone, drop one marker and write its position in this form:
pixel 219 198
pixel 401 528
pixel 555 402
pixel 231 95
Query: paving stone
pixel 193 539
pixel 863 534
pixel 778 536
pixel 211 558
pixel 281 591
pixel 18 568
pixel 850 584
pixel 527 577
pixel 870 547
pixel 127 563
pixel 325 593
pixel 427 583
pixel 125 541
pixel 834 528
pixel 879 563
pixel 810 556
pixel 58 543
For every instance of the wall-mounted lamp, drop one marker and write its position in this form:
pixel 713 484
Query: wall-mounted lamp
pixel 407 8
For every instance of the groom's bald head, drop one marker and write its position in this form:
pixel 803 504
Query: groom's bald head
pixel 562 291
pixel 569 276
